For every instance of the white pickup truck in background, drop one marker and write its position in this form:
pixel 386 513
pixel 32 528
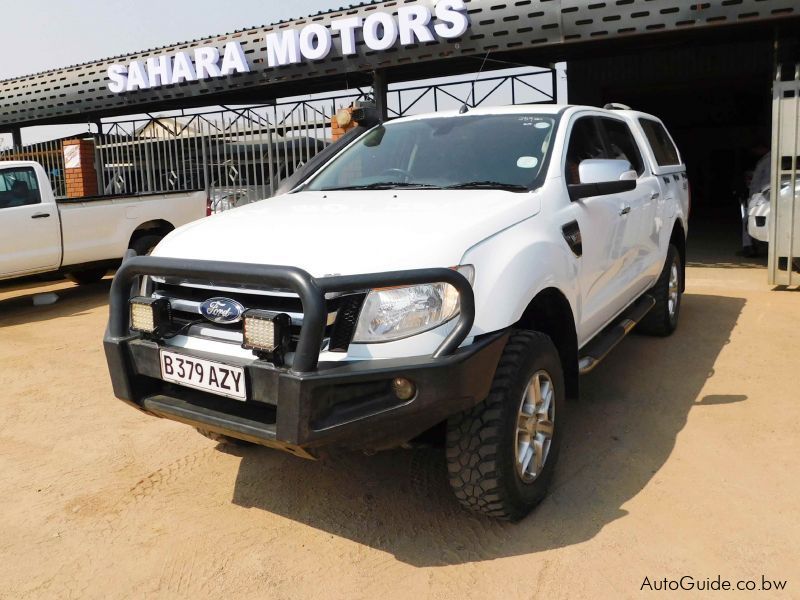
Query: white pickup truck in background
pixel 81 238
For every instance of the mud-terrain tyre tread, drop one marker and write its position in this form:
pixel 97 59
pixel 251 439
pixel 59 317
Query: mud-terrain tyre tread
pixel 658 321
pixel 480 442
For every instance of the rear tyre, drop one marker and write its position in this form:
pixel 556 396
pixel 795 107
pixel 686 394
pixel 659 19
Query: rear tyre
pixel 87 276
pixel 222 439
pixel 662 319
pixel 145 244
pixel 501 454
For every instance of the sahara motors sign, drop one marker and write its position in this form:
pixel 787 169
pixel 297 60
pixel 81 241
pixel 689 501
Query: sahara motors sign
pixel 416 24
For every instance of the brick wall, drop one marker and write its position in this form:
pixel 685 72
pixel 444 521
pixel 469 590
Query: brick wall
pixel 79 171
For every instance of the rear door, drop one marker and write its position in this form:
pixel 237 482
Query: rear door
pixel 30 237
pixel 640 229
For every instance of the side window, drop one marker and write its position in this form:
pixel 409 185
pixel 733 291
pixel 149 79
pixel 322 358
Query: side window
pixel 585 142
pixel 18 187
pixel 664 150
pixel 622 145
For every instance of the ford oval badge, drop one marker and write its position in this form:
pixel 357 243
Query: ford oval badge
pixel 222 310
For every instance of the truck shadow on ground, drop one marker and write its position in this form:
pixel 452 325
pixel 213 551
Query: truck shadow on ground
pixel 620 434
pixel 17 308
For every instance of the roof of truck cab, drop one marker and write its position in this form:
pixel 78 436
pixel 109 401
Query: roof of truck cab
pixel 523 109
pixel 10 164
pixel 519 109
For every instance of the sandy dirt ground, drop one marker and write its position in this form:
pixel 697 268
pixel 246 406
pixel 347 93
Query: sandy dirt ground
pixel 683 458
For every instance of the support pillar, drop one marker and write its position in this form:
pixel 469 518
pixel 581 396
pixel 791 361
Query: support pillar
pixel 380 89
pixel 79 170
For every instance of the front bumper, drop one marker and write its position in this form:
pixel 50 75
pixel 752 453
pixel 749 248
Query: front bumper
pixel 348 405
pixel 312 404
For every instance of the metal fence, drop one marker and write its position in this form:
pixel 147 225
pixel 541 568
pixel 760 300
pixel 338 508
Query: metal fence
pixel 49 154
pixel 242 154
pixel 238 154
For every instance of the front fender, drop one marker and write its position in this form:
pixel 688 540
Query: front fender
pixel 512 267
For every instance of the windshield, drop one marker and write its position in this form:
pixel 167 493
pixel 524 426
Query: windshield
pixel 466 151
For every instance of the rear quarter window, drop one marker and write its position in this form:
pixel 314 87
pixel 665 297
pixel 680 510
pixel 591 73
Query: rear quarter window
pixel 663 149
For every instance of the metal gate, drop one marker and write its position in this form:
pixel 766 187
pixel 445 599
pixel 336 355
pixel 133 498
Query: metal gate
pixel 784 241
pixel 242 154
pixel 49 155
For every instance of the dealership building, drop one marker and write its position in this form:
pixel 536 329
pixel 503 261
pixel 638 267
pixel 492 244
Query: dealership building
pixel 238 112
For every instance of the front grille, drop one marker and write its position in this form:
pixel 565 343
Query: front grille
pixel 185 300
pixel 346 320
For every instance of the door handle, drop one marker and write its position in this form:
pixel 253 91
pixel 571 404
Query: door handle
pixel 625 210
pixel 655 196
pixel 40 216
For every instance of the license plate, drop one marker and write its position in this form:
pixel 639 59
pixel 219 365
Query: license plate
pixel 205 375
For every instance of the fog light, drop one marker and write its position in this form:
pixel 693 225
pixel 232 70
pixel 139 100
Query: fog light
pixel 267 334
pixel 150 315
pixel 403 388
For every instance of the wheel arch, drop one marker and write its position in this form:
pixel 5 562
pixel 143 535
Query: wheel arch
pixel 155 227
pixel 678 239
pixel 551 313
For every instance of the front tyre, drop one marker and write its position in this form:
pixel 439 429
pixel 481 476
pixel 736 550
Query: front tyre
pixel 662 319
pixel 501 454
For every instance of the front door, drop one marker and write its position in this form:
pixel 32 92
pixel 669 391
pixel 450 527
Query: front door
pixel 30 237
pixel 602 232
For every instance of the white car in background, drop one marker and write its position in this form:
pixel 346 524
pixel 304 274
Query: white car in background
pixel 758 210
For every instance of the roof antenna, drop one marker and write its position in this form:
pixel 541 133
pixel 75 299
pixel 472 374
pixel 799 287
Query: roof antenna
pixel 465 107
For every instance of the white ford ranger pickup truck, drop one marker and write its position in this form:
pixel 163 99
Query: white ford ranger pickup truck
pixel 448 275
pixel 83 237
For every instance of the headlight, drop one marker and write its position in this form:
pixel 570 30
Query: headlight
pixel 395 313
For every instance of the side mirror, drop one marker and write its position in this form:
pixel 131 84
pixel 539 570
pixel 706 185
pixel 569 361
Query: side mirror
pixel 601 177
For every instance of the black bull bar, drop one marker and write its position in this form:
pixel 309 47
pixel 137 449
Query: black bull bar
pixel 311 291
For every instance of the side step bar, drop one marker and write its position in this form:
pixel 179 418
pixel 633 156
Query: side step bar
pixel 595 351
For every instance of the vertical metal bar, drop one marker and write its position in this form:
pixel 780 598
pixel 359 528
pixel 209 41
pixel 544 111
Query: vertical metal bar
pixel 219 151
pixel 242 164
pixel 306 134
pixel 179 137
pixel 139 165
pixel 225 151
pixel 174 154
pixel 197 181
pixel 98 165
pixel 285 168
pixel 270 155
pixel 203 140
pixel 258 155
pixel 294 143
pixel 113 159
pixel 793 177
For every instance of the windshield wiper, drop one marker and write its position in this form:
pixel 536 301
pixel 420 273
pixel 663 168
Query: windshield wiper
pixel 382 185
pixel 487 185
